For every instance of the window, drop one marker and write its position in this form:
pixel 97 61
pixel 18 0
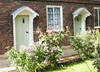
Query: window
pixel 97 17
pixel 54 18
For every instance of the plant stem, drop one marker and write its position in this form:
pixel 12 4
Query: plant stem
pixel 85 62
pixel 88 67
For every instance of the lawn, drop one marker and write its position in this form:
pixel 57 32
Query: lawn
pixel 75 67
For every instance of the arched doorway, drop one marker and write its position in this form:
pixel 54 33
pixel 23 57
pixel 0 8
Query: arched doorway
pixel 79 18
pixel 23 26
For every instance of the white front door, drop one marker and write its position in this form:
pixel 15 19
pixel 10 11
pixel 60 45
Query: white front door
pixel 22 30
pixel 78 25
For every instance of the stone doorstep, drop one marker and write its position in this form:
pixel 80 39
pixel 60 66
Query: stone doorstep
pixel 7 69
pixel 5 63
pixel 66 47
pixel 3 57
pixel 68 52
pixel 67 59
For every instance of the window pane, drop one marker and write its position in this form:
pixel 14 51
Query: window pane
pixel 57 18
pixel 50 19
pixel 96 17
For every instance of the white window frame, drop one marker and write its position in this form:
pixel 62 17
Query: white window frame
pixel 61 15
pixel 96 27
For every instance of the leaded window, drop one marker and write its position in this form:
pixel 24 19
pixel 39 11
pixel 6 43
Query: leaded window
pixel 97 17
pixel 54 16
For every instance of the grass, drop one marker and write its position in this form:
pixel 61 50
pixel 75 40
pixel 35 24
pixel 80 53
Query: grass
pixel 75 67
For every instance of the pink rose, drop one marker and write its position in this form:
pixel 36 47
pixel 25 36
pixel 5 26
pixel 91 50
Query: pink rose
pixel 29 48
pixel 45 48
pixel 22 48
pixel 52 50
pixel 47 51
pixel 30 54
pixel 45 61
pixel 36 57
pixel 38 43
pixel 44 44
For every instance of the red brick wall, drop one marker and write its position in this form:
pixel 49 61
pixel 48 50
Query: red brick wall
pixel 6 23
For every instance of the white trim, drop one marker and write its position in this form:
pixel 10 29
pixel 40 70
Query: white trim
pixel 61 14
pixel 96 7
pixel 74 24
pixel 79 10
pixel 16 12
pixel 14 33
pixel 52 6
pixel 32 14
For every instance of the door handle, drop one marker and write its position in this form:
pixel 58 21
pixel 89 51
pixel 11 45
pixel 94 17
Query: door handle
pixel 27 32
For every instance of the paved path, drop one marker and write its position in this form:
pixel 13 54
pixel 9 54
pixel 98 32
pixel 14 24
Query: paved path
pixel 5 65
pixel 7 69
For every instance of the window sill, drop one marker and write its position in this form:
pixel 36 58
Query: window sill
pixel 97 27
pixel 53 30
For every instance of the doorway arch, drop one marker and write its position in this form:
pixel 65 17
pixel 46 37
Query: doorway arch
pixel 79 18
pixel 22 16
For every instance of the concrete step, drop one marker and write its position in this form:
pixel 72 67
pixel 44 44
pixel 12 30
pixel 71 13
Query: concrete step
pixel 69 52
pixel 66 47
pixel 5 63
pixel 5 66
pixel 68 59
pixel 3 57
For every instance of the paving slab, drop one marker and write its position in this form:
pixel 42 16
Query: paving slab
pixel 7 69
pixel 68 53
pixel 5 65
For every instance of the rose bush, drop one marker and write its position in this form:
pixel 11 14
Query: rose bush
pixel 30 58
pixel 39 54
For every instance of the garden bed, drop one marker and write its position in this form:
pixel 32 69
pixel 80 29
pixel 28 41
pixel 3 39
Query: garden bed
pixel 71 66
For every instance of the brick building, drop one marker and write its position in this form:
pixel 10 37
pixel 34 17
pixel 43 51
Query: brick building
pixel 19 18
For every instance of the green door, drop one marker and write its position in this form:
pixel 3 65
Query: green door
pixel 78 27
pixel 22 30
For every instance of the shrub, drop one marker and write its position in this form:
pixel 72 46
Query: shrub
pixel 87 44
pixel 40 54
pixel 28 58
pixel 84 43
pixel 54 44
